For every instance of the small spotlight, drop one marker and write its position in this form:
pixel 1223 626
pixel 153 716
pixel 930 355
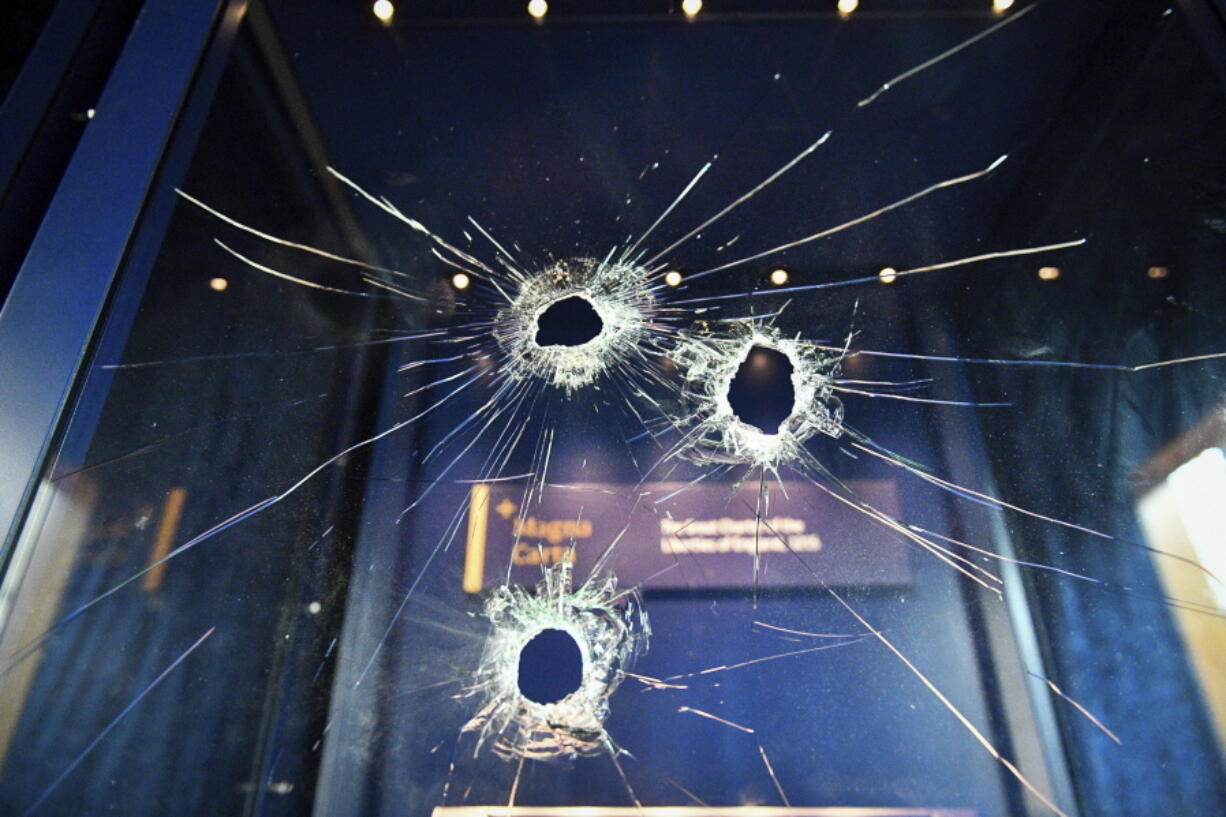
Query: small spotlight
pixel 691 7
pixel 538 8
pixel 888 275
pixel 384 10
pixel 1001 6
pixel 846 7
pixel 779 277
pixel 460 281
pixel 1049 273
pixel 90 113
pixel 218 284
pixel 672 278
pixel 1157 272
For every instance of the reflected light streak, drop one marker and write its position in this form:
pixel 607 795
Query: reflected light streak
pixel 1199 485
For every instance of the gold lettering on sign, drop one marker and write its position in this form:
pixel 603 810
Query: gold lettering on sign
pixel 526 554
pixel 552 530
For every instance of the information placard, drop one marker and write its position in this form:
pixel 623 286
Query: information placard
pixel 672 536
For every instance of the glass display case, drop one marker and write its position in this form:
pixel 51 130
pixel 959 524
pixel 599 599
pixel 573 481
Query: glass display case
pixel 769 409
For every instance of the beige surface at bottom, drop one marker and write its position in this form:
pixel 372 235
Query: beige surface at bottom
pixel 693 811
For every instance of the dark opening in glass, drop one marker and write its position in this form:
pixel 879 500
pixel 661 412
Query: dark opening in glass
pixel 761 393
pixel 569 322
pixel 550 667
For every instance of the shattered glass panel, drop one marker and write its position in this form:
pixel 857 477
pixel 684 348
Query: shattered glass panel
pixel 784 410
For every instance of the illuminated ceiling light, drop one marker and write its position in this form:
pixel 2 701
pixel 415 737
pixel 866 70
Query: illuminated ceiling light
pixel 1049 273
pixel 1001 6
pixel 460 281
pixel 779 277
pixel 537 8
pixel 1157 272
pixel 888 275
pixel 691 7
pixel 672 278
pixel 218 284
pixel 846 7
pixel 384 10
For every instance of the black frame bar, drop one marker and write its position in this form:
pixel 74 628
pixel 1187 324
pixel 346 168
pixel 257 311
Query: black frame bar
pixel 49 320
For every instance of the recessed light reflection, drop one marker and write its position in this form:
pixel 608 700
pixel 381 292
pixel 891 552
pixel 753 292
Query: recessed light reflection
pixel 1157 272
pixel 672 278
pixel 218 284
pixel 460 281
pixel 1001 6
pixel 846 7
pixel 538 8
pixel 691 7
pixel 779 277
pixel 888 275
pixel 1049 273
pixel 384 10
